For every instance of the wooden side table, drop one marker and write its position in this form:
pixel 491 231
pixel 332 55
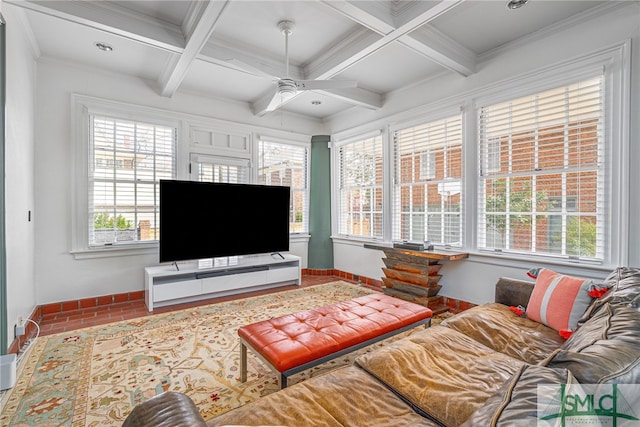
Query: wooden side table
pixel 413 275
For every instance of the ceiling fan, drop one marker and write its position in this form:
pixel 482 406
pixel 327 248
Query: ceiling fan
pixel 287 87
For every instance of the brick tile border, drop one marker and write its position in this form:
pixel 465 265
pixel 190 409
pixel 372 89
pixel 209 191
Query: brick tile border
pixel 104 303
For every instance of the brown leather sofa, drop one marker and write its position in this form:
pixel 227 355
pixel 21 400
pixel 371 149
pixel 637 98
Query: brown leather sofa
pixel 478 368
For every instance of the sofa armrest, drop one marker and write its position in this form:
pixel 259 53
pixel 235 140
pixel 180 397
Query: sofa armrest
pixel 169 409
pixel 513 291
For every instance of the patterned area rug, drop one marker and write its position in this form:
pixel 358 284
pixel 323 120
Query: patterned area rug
pixel 95 376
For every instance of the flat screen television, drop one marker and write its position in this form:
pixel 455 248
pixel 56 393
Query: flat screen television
pixel 209 220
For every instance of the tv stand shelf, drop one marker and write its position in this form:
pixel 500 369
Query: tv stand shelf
pixel 165 285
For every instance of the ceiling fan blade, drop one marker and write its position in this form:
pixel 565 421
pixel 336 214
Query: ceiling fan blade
pixel 272 102
pixel 324 84
pixel 276 101
pixel 250 69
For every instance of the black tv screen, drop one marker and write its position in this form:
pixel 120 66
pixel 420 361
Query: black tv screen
pixel 208 220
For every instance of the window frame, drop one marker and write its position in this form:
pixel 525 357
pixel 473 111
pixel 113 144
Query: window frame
pixel 336 192
pixel 538 134
pixel 307 174
pixel 426 119
pixel 195 159
pixel 608 63
pixel 83 107
pixel 613 59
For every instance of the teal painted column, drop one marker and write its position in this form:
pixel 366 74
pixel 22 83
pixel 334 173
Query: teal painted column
pixel 320 253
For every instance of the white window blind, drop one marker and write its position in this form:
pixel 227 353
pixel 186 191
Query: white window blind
pixel 544 194
pixel 219 169
pixel 127 161
pixel 285 164
pixel 428 182
pixel 360 165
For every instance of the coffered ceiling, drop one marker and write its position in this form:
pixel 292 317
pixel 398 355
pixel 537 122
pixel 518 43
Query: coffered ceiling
pixel 234 49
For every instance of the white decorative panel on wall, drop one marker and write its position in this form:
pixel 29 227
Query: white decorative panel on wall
pixel 219 141
pixel 201 138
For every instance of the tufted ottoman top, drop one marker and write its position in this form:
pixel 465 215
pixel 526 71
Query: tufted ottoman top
pixel 295 339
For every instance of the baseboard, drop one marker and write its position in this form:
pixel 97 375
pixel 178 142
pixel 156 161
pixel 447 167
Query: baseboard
pixel 454 305
pixel 366 281
pixel 64 306
pixel 457 305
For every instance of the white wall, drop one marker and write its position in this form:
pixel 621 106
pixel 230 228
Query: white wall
pixel 59 276
pixel 473 279
pixel 20 98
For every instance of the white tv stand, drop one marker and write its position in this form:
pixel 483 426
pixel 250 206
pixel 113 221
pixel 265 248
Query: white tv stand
pixel 165 285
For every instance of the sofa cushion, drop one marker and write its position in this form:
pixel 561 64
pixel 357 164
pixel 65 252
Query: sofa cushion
pixel 516 403
pixel 442 372
pixel 168 409
pixel 624 284
pixel 559 301
pixel 343 397
pixel 605 349
pixel 497 327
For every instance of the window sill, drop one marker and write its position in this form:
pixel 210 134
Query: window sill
pixel 508 260
pixel 117 251
pixel 357 240
pixel 524 262
pixel 299 237
pixel 145 249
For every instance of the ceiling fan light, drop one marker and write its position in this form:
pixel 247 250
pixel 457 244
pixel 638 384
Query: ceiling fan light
pixel 286 95
pixel 287 88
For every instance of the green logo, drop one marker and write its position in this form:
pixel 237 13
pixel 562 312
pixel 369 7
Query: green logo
pixel 591 404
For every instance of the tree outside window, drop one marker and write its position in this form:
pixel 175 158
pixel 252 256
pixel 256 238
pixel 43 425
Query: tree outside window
pixel 544 194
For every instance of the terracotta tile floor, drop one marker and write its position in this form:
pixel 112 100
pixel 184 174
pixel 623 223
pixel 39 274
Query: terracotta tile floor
pixel 76 319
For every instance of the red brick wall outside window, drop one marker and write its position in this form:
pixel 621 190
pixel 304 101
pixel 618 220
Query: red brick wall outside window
pixel 546 193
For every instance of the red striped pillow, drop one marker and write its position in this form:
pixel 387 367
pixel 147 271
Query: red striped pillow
pixel 558 301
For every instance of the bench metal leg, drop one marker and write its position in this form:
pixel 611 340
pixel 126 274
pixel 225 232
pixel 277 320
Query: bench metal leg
pixel 283 381
pixel 243 362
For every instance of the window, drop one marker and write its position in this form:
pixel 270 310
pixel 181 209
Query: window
pixel 286 164
pixel 127 161
pixel 545 194
pixel 360 188
pixel 428 182
pixel 219 169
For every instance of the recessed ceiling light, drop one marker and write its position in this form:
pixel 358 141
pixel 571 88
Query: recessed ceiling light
pixel 104 47
pixel 316 102
pixel 516 4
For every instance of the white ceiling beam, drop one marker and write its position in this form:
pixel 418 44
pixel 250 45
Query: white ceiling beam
pixel 441 49
pixel 364 14
pixel 244 58
pixel 203 22
pixel 347 52
pixel 432 45
pixel 356 54
pixel 111 19
pixel 123 22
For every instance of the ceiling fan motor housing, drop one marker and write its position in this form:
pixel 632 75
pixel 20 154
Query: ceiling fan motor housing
pixel 287 87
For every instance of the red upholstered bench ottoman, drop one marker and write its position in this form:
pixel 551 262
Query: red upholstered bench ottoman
pixel 299 341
